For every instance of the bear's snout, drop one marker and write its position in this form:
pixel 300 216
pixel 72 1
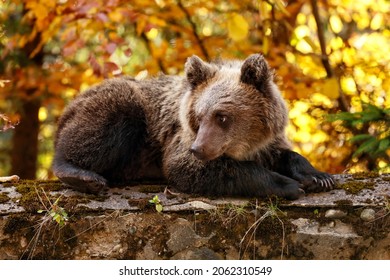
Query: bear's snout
pixel 198 152
pixel 205 153
pixel 209 142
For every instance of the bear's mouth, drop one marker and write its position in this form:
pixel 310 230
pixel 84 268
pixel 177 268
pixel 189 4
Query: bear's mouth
pixel 205 157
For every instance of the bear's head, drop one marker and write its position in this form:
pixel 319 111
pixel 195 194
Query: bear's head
pixel 232 108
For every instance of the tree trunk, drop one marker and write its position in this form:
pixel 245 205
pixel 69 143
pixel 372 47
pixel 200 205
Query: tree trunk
pixel 25 141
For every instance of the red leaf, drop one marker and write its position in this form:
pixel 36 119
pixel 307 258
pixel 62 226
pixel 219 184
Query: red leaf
pixel 97 70
pixel 128 52
pixel 111 47
pixel 71 47
pixel 111 68
pixel 102 17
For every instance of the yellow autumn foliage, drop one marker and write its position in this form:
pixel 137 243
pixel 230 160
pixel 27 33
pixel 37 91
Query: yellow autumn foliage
pixel 53 49
pixel 238 27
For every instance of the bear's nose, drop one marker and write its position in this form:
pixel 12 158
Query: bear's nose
pixel 197 151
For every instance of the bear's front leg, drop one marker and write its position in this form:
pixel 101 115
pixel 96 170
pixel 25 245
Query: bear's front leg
pixel 295 166
pixel 226 177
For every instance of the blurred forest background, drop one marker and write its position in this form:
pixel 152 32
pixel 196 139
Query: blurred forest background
pixel 332 61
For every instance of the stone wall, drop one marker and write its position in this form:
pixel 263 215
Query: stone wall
pixel 42 220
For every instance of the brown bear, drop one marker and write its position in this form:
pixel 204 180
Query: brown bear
pixel 219 130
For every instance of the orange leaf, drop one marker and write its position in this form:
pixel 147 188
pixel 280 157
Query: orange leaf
pixel 40 11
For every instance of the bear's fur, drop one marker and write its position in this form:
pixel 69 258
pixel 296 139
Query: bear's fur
pixel 219 130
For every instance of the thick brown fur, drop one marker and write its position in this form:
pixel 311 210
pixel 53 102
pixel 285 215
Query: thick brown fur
pixel 219 130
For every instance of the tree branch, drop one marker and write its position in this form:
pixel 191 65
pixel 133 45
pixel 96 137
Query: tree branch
pixel 321 38
pixel 194 32
pixel 324 56
pixel 150 50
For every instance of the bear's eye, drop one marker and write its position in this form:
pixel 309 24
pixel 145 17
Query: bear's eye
pixel 222 120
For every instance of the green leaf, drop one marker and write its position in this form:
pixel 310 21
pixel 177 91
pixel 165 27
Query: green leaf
pixel 357 122
pixel 367 147
pixel 64 214
pixel 57 200
pixel 342 116
pixel 40 211
pixel 57 218
pixel 384 145
pixel 159 207
pixel 371 116
pixel 360 137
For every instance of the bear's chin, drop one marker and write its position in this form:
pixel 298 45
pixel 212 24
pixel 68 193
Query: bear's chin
pixel 240 155
pixel 205 159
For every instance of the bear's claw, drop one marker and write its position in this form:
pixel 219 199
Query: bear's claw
pixel 327 183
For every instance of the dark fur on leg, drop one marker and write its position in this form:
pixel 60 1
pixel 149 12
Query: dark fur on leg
pixel 79 179
pixel 225 176
pixel 295 166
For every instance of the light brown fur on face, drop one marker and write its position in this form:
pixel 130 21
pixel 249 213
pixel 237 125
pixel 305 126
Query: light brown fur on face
pixel 251 128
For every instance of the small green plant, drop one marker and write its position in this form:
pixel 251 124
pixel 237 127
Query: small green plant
pixel 57 213
pixel 229 214
pixel 157 203
pixel 53 213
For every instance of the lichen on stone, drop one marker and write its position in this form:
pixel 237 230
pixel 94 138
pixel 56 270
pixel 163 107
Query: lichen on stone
pixel 365 175
pixel 354 187
pixel 4 198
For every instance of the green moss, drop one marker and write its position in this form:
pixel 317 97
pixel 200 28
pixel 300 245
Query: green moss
pixel 152 189
pixel 29 189
pixel 26 186
pixel 343 202
pixel 354 187
pixel 80 200
pixel 30 202
pixel 368 201
pixel 4 198
pixel 141 204
pixel 365 175
pixel 15 223
pixel 100 198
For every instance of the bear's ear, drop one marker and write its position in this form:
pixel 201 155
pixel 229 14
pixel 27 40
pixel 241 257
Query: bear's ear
pixel 255 71
pixel 198 71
